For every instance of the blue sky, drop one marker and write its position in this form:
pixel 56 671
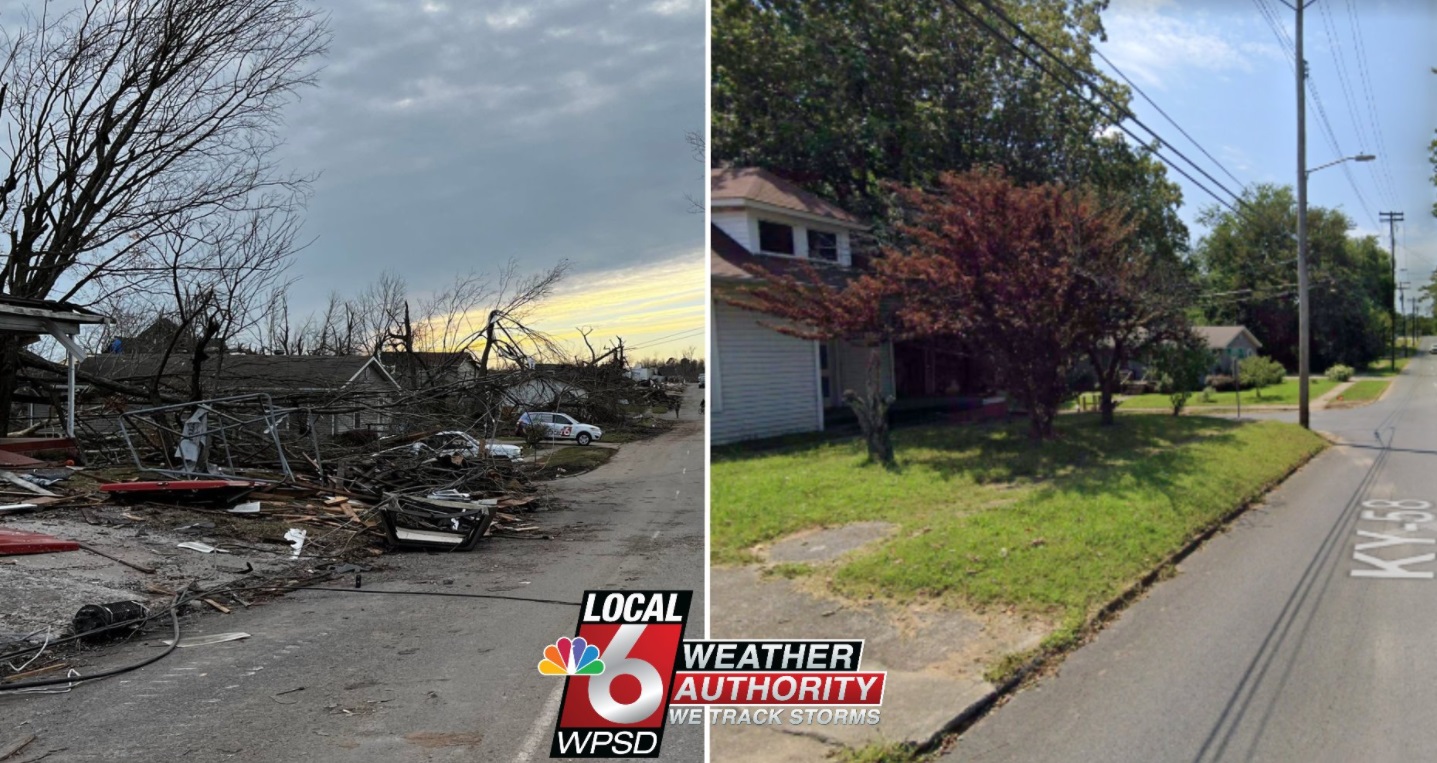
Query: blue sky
pixel 1218 69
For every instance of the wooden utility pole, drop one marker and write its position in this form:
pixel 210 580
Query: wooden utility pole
pixel 1392 218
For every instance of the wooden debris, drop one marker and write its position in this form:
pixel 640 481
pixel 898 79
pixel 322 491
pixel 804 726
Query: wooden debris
pixel 113 558
pixel 36 672
pixel 216 605
pixel 26 485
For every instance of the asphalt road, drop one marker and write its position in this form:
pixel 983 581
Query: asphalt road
pixel 352 677
pixel 1300 635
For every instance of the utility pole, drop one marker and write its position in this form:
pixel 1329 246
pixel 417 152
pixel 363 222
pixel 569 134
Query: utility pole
pixel 1392 218
pixel 1303 328
pixel 1402 307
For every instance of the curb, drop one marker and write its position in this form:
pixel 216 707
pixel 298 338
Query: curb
pixel 976 711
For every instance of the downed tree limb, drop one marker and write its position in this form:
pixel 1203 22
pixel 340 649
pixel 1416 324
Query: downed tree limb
pixel 31 360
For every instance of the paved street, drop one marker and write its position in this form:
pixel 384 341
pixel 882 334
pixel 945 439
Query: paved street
pixel 341 677
pixel 1303 634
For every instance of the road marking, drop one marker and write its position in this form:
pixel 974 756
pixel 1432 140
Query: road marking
pixel 530 748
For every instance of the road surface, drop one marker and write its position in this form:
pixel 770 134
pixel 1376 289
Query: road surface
pixel 340 677
pixel 1306 633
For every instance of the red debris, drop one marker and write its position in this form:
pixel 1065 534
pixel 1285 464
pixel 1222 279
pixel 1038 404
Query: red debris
pixel 16 542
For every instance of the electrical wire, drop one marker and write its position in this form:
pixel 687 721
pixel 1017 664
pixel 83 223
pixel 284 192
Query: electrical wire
pixel 1170 120
pixel 72 680
pixel 1069 86
pixel 455 594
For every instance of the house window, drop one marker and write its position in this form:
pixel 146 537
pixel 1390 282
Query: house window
pixel 775 238
pixel 823 245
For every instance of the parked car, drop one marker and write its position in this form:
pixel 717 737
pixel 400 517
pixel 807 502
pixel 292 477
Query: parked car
pixel 701 381
pixel 464 444
pixel 561 426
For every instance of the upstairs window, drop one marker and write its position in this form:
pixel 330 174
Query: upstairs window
pixel 823 245
pixel 775 238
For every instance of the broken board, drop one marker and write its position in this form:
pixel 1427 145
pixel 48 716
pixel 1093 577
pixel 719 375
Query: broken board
pixel 16 542
pixel 181 490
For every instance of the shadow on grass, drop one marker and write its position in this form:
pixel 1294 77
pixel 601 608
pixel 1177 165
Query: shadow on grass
pixel 997 453
pixel 1004 453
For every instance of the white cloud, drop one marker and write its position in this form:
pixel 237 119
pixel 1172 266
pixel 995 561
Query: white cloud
pixel 509 18
pixel 1148 41
pixel 675 7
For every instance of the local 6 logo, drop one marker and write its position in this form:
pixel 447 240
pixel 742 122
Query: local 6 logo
pixel 617 671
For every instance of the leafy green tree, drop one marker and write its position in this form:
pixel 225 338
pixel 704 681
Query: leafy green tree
pixel 1260 371
pixel 1180 367
pixel 843 95
pixel 1247 264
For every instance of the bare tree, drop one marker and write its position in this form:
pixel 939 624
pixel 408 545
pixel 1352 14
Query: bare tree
pixel 122 115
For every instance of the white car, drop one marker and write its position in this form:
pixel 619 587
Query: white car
pixel 464 444
pixel 560 426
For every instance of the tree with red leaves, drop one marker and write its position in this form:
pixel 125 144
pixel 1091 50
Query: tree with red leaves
pixel 1034 275
pixel 848 306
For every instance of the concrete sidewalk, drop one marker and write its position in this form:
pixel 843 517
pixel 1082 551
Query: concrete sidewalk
pixel 935 658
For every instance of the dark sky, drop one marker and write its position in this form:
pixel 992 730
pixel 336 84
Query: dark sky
pixel 456 135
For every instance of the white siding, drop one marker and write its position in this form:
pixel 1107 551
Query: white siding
pixel 765 382
pixel 735 222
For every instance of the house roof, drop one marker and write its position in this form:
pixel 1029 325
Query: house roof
pixel 285 372
pixel 36 316
pixel 730 259
pixel 1219 337
pixel 759 185
pixel 428 359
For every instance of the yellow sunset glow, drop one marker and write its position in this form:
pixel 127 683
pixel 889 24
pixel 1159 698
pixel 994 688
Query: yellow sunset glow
pixel 657 309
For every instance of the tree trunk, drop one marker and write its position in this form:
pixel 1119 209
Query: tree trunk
pixel 9 376
pixel 1107 381
pixel 872 412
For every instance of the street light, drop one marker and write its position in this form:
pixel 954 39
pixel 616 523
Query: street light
pixel 1304 330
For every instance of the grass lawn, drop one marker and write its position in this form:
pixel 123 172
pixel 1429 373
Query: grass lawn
pixel 988 519
pixel 1383 368
pixel 1278 394
pixel 573 460
pixel 1369 389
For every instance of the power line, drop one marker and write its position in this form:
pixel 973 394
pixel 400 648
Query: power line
pixel 1170 120
pixel 1372 113
pixel 1340 59
pixel 1285 41
pixel 1069 86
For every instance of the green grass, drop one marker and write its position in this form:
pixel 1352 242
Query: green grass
pixel 1370 389
pixel 574 459
pixel 1383 368
pixel 988 519
pixel 1278 394
pixel 878 752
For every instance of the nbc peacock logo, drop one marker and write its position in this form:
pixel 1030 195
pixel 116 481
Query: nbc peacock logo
pixel 571 657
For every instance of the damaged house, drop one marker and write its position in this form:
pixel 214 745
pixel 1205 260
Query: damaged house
pixel 350 392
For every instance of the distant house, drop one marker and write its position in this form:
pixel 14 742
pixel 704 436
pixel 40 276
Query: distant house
pixel 157 338
pixel 416 370
pixel 344 381
pixel 764 383
pixel 1228 344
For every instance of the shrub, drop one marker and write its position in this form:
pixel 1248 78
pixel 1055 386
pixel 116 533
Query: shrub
pixel 1220 383
pixel 1339 373
pixel 1209 394
pixel 1179 369
pixel 1259 372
